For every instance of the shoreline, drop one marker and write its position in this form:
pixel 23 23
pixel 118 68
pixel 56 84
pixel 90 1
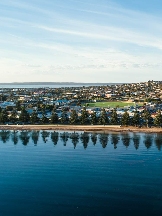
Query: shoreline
pixel 86 128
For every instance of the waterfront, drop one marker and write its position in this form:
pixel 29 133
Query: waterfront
pixel 67 173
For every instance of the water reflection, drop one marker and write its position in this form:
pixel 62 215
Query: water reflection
pixel 148 140
pixel 24 137
pixel 14 137
pixel 103 138
pixel 45 136
pixel 74 138
pixel 127 139
pixel 94 138
pixel 54 137
pixel 136 141
pixel 35 137
pixel 115 139
pixel 4 136
pixel 64 137
pixel 84 137
pixel 158 141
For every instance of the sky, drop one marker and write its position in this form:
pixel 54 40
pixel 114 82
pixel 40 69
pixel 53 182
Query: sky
pixel 80 40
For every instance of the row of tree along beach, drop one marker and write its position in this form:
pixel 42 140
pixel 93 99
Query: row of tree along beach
pixel 85 118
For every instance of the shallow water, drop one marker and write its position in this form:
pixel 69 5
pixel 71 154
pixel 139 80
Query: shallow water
pixel 51 173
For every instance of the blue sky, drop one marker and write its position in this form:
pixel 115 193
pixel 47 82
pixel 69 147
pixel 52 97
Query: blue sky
pixel 80 40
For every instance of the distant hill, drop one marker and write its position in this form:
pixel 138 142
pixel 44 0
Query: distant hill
pixel 57 83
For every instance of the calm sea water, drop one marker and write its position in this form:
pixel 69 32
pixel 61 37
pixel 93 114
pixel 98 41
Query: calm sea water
pixel 64 173
pixel 3 86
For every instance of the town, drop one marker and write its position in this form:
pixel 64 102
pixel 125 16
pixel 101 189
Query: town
pixel 136 104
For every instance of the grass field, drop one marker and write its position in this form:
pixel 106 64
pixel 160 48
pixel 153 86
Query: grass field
pixel 111 104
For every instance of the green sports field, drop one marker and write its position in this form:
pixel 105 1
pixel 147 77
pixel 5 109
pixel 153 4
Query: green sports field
pixel 110 104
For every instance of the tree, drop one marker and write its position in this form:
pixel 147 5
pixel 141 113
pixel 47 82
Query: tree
pixel 64 117
pixel 93 118
pixel 24 116
pixel 18 105
pixel 84 118
pixel 147 117
pixel 125 120
pixel 34 118
pixel 73 117
pixel 103 119
pixel 44 119
pixel 136 119
pixel 13 117
pixel 54 118
pixel 4 116
pixel 114 118
pixel 158 119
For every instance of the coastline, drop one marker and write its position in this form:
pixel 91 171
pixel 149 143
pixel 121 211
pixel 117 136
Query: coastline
pixel 86 128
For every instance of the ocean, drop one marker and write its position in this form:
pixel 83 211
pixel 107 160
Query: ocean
pixel 45 173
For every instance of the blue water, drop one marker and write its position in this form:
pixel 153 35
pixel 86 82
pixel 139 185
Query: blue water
pixel 11 86
pixel 50 173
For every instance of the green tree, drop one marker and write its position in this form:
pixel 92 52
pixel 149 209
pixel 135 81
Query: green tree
pixel 73 117
pixel 158 119
pixel 4 116
pixel 34 118
pixel 13 117
pixel 93 118
pixel 64 117
pixel 84 118
pixel 125 120
pixel 44 119
pixel 18 106
pixel 114 118
pixel 136 119
pixel 147 117
pixel 103 119
pixel 24 116
pixel 54 118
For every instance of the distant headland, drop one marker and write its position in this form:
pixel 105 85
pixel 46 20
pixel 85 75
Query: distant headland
pixel 57 83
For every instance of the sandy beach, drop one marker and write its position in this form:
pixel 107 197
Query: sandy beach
pixel 88 128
